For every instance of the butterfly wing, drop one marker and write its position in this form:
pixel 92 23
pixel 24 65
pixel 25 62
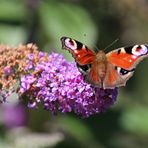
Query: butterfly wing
pixel 80 52
pixel 122 63
pixel 84 58
pixel 82 55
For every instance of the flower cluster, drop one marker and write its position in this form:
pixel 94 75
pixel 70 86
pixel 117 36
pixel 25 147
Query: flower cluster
pixel 59 86
pixel 13 62
pixel 49 80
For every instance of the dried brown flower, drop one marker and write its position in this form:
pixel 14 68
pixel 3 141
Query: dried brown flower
pixel 13 61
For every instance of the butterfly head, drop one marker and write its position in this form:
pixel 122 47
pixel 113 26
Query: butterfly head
pixel 101 56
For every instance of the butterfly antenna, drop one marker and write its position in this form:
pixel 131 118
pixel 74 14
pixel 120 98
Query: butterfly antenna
pixel 111 44
pixel 96 48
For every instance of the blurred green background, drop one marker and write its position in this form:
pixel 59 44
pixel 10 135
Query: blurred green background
pixel 95 23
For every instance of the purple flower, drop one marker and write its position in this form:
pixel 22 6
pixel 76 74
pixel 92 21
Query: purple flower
pixel 59 86
pixel 26 82
pixel 8 71
pixel 4 94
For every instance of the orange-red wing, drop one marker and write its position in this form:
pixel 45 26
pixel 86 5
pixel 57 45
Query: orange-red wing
pixel 122 63
pixel 93 76
pixel 80 52
pixel 128 57
pixel 111 79
pixel 116 76
pixel 123 60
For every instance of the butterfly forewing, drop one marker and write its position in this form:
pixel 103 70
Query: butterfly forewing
pixel 80 52
pixel 128 57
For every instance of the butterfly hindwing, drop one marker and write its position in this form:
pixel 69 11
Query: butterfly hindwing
pixel 116 76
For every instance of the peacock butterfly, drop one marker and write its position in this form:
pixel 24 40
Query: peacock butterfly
pixel 105 70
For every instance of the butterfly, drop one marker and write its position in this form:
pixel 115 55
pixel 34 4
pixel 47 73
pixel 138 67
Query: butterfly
pixel 105 70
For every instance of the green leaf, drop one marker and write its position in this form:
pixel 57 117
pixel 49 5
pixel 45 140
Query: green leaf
pixel 58 19
pixel 77 129
pixel 136 120
pixel 12 10
pixel 12 35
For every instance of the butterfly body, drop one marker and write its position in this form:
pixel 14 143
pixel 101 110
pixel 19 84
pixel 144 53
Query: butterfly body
pixel 98 73
pixel 105 70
